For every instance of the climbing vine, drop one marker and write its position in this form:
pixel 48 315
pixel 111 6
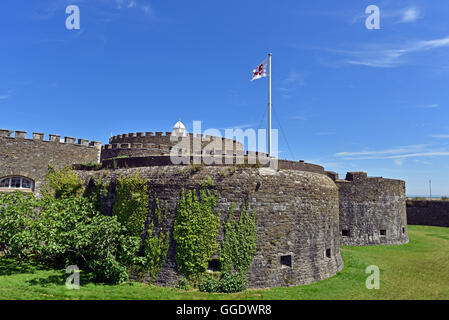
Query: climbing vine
pixel 155 243
pixel 195 232
pixel 131 203
pixel 239 243
pixel 131 209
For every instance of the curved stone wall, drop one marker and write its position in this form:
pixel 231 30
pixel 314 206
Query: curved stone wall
pixel 30 158
pixel 297 216
pixel 372 210
pixel 148 144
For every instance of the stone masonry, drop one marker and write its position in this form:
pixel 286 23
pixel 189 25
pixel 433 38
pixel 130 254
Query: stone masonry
pixel 30 158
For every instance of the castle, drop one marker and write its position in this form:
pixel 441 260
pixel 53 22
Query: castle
pixel 304 213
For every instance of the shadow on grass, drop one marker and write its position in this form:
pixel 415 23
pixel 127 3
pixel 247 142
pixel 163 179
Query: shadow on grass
pixel 60 279
pixel 9 266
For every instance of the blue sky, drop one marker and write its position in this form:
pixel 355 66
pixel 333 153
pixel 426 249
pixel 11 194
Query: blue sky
pixel 348 98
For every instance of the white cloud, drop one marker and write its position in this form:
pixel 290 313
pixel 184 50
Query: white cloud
pixel 410 15
pixel 403 149
pixel 440 136
pixel 5 96
pixel 131 4
pixel 429 106
pixel 387 56
pixel 412 151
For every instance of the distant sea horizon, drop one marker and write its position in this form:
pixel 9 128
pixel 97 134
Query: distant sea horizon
pixel 426 196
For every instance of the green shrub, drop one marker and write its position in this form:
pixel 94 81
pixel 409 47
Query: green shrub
pixel 183 284
pixel 17 218
pixel 62 183
pixel 66 231
pixel 195 233
pixel 210 284
pixel 234 282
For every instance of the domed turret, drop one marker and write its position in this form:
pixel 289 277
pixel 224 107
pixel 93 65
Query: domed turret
pixel 179 129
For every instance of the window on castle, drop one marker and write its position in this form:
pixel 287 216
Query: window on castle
pixel 16 183
pixel 286 261
pixel 403 229
pixel 345 233
pixel 383 232
pixel 328 253
pixel 213 265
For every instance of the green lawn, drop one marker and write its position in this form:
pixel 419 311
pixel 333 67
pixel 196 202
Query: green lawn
pixel 418 270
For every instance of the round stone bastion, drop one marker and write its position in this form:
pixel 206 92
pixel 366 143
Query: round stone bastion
pixel 372 210
pixel 297 214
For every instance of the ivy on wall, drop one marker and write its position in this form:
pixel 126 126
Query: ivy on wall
pixel 156 242
pixel 195 232
pixel 131 203
pixel 239 243
pixel 131 209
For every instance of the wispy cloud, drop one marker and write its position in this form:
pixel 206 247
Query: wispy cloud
pixel 290 82
pixel 143 6
pixel 410 15
pixel 386 55
pixel 440 136
pixel 53 6
pixel 412 151
pixel 403 15
pixel 241 126
pixel 6 95
pixel 428 106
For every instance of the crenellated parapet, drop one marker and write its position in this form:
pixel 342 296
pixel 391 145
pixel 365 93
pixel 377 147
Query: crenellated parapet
pixel 141 144
pixel 31 157
pixel 36 136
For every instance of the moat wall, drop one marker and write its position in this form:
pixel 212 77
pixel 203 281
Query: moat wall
pixel 372 210
pixel 428 213
pixel 297 216
pixel 30 158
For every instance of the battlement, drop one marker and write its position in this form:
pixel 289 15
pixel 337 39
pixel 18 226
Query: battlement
pixel 54 138
pixel 163 137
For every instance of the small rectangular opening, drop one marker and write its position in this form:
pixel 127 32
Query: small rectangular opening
pixel 286 260
pixel 328 253
pixel 403 229
pixel 383 232
pixel 345 233
pixel 213 265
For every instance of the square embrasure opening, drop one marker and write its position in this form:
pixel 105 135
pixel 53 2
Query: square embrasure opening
pixel 383 232
pixel 345 233
pixel 286 260
pixel 213 265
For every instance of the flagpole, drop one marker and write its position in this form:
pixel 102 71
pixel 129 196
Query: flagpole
pixel 269 104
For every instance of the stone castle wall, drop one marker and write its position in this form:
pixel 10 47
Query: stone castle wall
pixel 30 158
pixel 428 213
pixel 148 144
pixel 372 210
pixel 297 216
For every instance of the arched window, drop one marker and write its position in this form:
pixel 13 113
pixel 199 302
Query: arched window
pixel 16 183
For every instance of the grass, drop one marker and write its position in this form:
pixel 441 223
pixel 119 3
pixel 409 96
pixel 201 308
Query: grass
pixel 418 270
